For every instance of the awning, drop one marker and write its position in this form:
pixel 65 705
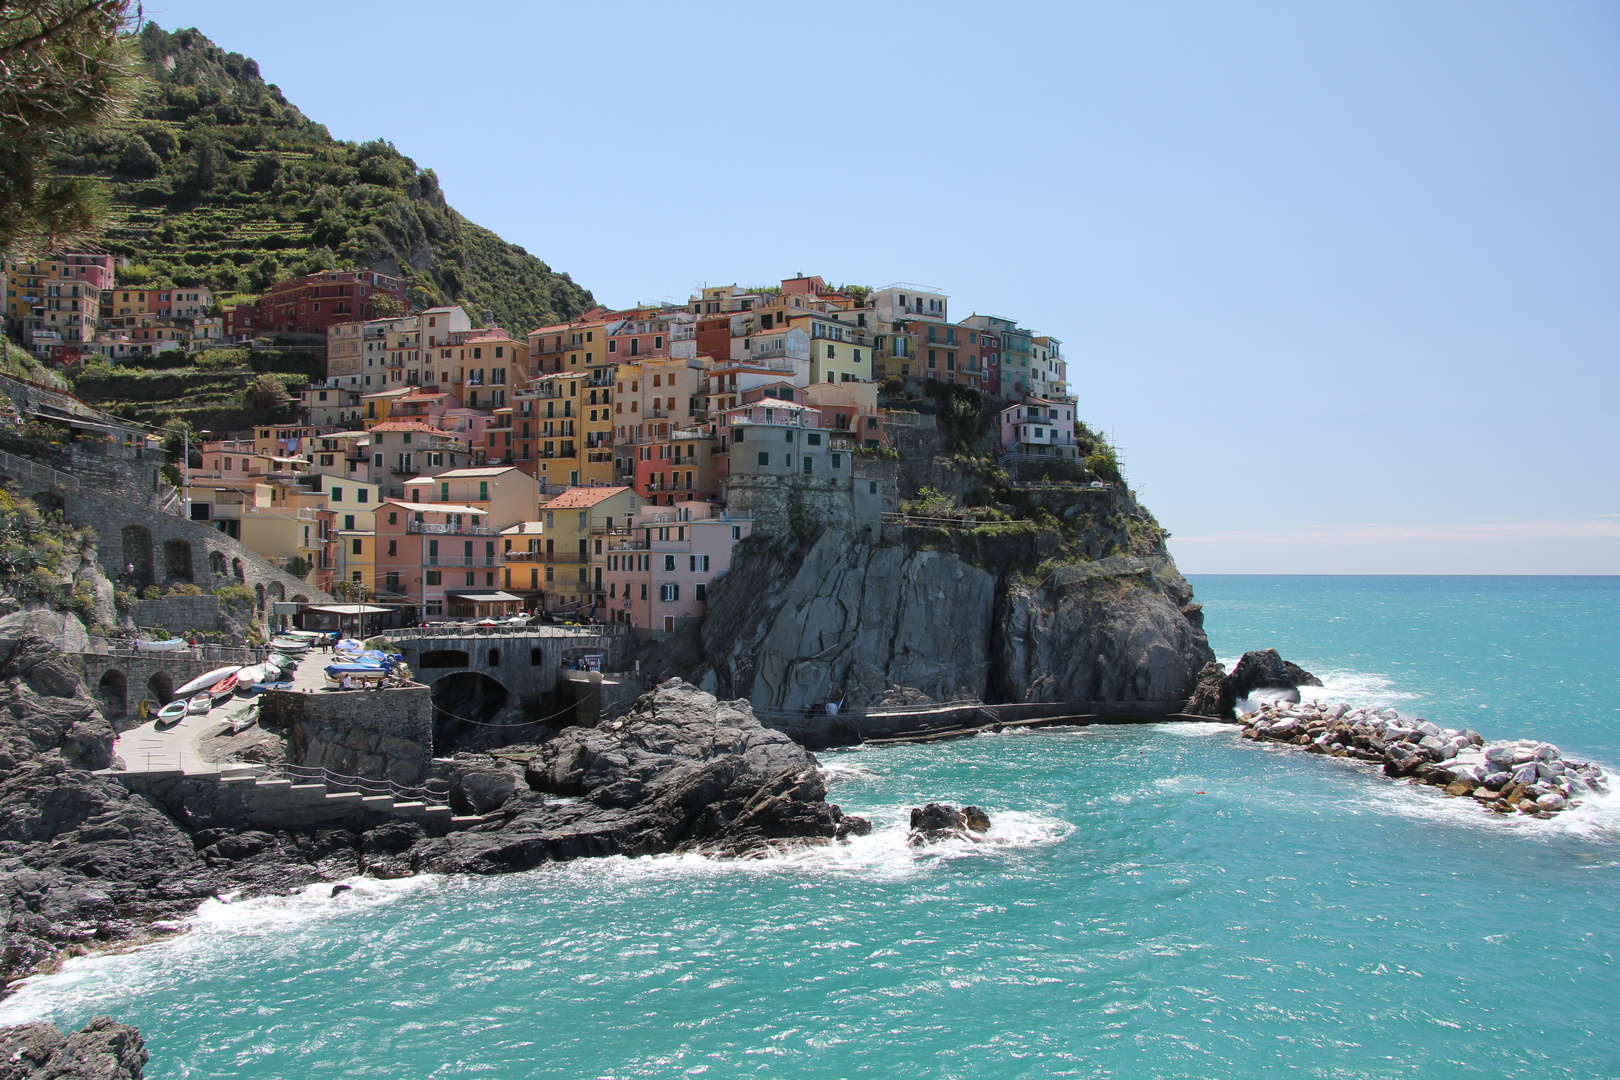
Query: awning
pixel 349 609
pixel 485 597
pixel 437 508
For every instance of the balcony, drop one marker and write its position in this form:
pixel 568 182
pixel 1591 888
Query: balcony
pixel 461 560
pixel 432 528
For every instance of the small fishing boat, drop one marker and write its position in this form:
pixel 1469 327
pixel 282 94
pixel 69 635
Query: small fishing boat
pixel 203 682
pixel 168 645
pixel 283 661
pixel 200 704
pixel 172 713
pixel 261 687
pixel 291 646
pixel 251 674
pixel 225 687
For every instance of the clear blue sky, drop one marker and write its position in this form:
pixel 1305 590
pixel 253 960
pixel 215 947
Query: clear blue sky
pixel 1342 279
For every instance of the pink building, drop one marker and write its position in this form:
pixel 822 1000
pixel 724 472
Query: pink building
pixel 440 556
pixel 658 571
pixel 98 270
pixel 1039 426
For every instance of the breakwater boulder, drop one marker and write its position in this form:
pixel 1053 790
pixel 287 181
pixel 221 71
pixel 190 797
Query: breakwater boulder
pixel 1261 674
pixel 682 771
pixel 1505 776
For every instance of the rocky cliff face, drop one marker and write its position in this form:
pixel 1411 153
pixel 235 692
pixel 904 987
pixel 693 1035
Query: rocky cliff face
pixel 853 614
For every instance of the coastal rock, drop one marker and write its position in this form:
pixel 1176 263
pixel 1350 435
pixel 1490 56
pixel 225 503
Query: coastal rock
pixel 935 822
pixel 1218 692
pixel 44 707
pixel 1206 695
pixel 682 771
pixel 102 1050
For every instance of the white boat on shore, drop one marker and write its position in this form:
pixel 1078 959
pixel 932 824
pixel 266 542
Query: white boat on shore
pixel 203 682
pixel 167 645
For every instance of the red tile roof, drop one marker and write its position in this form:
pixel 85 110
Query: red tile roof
pixel 581 497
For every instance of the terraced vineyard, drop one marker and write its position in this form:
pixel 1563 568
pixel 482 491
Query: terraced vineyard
pixel 219 181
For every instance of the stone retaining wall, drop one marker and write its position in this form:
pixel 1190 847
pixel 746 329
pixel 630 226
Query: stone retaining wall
pixel 178 614
pixel 139 545
pixel 375 734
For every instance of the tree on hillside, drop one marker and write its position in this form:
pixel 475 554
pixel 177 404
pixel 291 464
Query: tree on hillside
pixel 265 392
pixel 64 67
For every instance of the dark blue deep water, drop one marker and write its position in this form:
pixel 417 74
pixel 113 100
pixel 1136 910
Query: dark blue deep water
pixel 1163 901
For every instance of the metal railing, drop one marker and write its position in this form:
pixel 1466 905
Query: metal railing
pixel 965 521
pixel 230 654
pixel 431 528
pixel 437 631
pixel 437 795
pixel 35 471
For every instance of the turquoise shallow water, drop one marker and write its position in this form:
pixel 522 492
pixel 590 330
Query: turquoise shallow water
pixel 1158 901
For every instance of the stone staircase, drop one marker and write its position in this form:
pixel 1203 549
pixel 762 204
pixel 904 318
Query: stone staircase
pixel 274 802
pixel 283 803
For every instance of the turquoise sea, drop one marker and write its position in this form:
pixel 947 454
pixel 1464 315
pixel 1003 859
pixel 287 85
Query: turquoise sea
pixel 1159 901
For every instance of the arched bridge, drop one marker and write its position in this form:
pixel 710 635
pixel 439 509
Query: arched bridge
pixel 120 680
pixel 524 661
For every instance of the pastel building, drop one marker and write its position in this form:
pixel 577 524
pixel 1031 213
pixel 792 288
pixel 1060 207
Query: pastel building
pixel 1039 426
pixel 437 556
pixel 659 568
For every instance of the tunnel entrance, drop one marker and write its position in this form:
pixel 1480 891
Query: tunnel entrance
pixel 160 688
pixel 112 692
pixel 467 712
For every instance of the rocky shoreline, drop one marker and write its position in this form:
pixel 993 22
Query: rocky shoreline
pixel 87 865
pixel 1504 776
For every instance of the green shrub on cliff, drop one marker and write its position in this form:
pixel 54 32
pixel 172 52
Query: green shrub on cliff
pixel 222 182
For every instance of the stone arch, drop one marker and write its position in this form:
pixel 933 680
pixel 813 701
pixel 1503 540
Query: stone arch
pixel 239 571
pixel 49 502
pixel 465 701
pixel 454 658
pixel 277 591
pixel 113 693
pixel 494 658
pixel 137 544
pixel 300 598
pixel 160 687
pixel 537 658
pixel 217 564
pixel 177 560
pixel 258 592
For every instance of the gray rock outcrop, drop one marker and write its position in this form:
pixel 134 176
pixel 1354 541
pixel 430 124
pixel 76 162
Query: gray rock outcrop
pixel 852 616
pixel 1218 691
pixel 44 708
pixel 103 1049
pixel 682 771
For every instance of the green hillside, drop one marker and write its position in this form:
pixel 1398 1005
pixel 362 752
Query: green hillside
pixel 219 181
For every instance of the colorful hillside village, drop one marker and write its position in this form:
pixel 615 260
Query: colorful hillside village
pixel 604 468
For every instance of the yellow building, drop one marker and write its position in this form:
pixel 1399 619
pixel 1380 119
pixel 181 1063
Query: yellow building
pixel 573 526
pixel 575 355
pixel 353 505
pixel 838 352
